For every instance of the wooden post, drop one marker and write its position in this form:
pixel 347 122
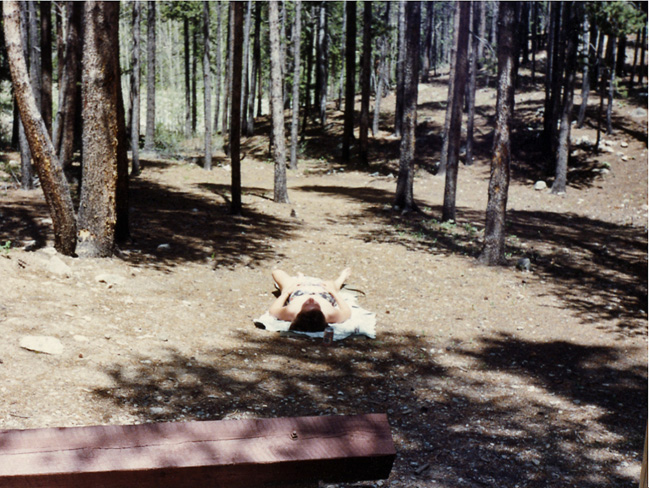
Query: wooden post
pixel 231 453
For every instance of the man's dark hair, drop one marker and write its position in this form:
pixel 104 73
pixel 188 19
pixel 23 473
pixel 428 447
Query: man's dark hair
pixel 309 321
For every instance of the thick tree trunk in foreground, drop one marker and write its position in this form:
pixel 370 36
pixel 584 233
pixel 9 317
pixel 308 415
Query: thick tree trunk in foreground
pixel 453 135
pixel 102 132
pixel 295 105
pixel 493 252
pixel 207 89
pixel 54 185
pixel 404 193
pixel 279 152
pixel 150 130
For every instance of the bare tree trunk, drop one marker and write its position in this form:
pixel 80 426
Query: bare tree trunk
pixel 250 125
pixel 404 193
pixel 399 88
pixel 585 73
pixel 53 182
pixel 364 120
pixel 237 30
pixel 228 78
pixel 46 63
pixel 279 152
pixel 460 78
pixel 382 72
pixel 428 37
pixel 564 143
pixel 350 49
pixel 26 170
pixel 471 91
pixel 308 75
pixel 342 72
pixel 188 87
pixel 150 131
pixel 217 96
pixel 102 134
pixel 207 89
pixel 493 252
pixel 135 91
pixel 636 57
pixel 444 153
pixel 642 67
pixel 246 66
pixel 295 106
pixel 195 58
pixel 322 58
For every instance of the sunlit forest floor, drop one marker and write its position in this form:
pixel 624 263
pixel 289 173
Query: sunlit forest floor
pixel 496 377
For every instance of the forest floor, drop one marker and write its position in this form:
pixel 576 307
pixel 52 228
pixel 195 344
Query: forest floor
pixel 490 376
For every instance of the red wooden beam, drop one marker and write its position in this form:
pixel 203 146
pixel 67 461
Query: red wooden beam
pixel 229 453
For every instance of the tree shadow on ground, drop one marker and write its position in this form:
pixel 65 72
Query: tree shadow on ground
pixel 599 268
pixel 449 422
pixel 169 227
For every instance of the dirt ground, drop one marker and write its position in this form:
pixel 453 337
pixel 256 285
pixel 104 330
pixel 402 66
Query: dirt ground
pixel 499 377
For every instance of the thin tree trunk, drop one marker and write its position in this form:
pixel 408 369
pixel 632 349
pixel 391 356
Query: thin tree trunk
pixel 642 66
pixel 217 96
pixel 188 88
pixel 471 89
pixel 636 57
pixel 228 79
pixel 460 78
pixel 53 182
pixel 342 72
pixel 444 153
pixel 428 37
pixel 195 60
pixel 350 49
pixel 611 72
pixel 493 252
pixel 237 30
pixel 246 65
pixel 534 45
pixel 308 76
pixel 46 63
pixel 321 68
pixel 295 106
pixel 150 131
pixel 585 73
pixel 399 75
pixel 26 170
pixel 564 137
pixel 382 73
pixel 135 91
pixel 279 153
pixel 207 89
pixel 250 125
pixel 364 120
pixel 404 193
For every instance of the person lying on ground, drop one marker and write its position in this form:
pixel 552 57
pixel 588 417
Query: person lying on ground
pixel 310 303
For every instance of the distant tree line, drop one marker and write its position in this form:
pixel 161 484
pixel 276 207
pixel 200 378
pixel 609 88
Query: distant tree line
pixel 295 62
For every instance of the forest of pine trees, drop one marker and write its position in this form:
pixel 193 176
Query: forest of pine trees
pixel 82 73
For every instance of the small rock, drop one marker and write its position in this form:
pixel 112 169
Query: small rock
pixel 156 410
pixel 58 267
pixel 30 246
pixel 624 158
pixel 110 279
pixel 42 344
pixel 523 264
pixel 80 338
pixel 540 185
pixel 624 144
pixel 163 247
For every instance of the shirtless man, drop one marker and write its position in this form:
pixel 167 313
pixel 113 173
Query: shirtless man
pixel 310 304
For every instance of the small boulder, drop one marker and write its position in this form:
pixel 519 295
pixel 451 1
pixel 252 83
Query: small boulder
pixel 540 185
pixel 523 264
pixel 56 266
pixel 42 344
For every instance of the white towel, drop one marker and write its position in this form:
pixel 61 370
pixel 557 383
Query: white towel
pixel 361 322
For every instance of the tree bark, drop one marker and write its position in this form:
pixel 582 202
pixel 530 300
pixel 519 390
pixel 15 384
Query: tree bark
pixel 350 62
pixel 237 30
pixel 404 194
pixel 69 87
pixel 564 137
pixel 54 185
pixel 195 58
pixel 399 75
pixel 471 89
pixel 321 62
pixel 493 252
pixel 207 89
pixel 453 136
pixel 364 120
pixel 246 66
pixel 444 153
pixel 428 37
pixel 227 90
pixel 585 73
pixel 135 90
pixel 46 63
pixel 217 96
pixel 280 194
pixel 611 74
pixel 26 169
pixel 295 106
pixel 150 131
pixel 102 134
pixel 188 87
pixel 382 72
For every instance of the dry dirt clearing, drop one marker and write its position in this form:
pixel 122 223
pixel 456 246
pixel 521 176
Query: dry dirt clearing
pixel 496 377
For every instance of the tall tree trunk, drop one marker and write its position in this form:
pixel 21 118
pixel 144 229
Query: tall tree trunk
pixel 444 153
pixel 399 75
pixel 585 72
pixel 246 66
pixel 46 63
pixel 69 87
pixel 342 71
pixel 217 96
pixel 229 77
pixel 250 125
pixel 572 14
pixel 636 57
pixel 534 15
pixel 135 91
pixel 428 37
pixel 26 169
pixel 382 72
pixel 460 78
pixel 350 61
pixel 195 59
pixel 321 62
pixel 150 131
pixel 102 132
pixel 621 44
pixel 60 40
pixel 642 67
pixel 188 87
pixel 364 120
pixel 404 193
pixel 53 182
pixel 308 76
pixel 237 30
pixel 207 89
pixel 279 153
pixel 295 105
pixel 611 75
pixel 471 89
pixel 493 252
